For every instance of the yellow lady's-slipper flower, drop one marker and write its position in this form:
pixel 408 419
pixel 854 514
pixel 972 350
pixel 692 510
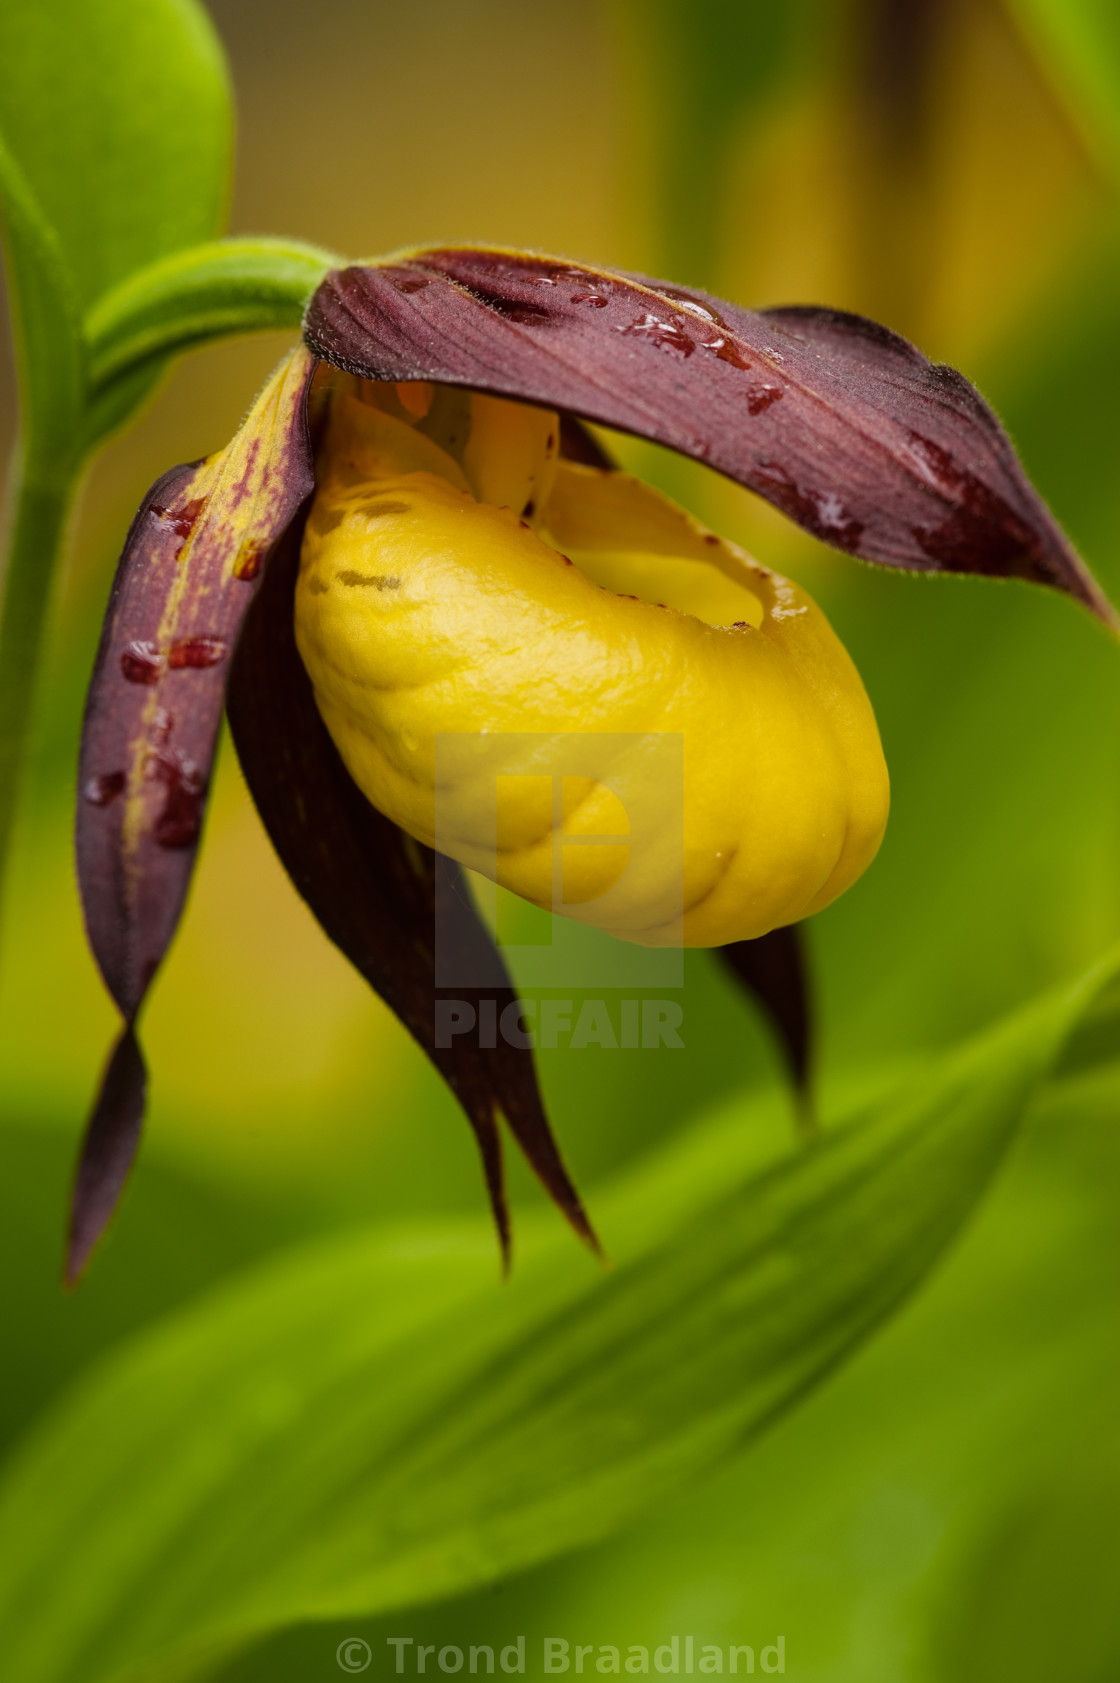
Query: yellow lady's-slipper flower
pixel 486 586
pixel 413 540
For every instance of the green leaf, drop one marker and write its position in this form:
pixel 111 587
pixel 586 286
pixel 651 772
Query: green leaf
pixel 118 112
pixel 176 1235
pixel 115 138
pixel 45 319
pixel 203 293
pixel 1078 45
pixel 376 1422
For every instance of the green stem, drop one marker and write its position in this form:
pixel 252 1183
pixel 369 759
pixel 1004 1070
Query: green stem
pixel 40 501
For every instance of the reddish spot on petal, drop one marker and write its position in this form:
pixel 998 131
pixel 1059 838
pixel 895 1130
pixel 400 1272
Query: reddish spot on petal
pixel 141 663
pixel 100 791
pixel 249 563
pixel 242 487
pixel 982 535
pixel 196 651
pixel 409 283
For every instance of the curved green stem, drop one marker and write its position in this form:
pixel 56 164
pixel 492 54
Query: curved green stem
pixel 41 496
pixel 205 293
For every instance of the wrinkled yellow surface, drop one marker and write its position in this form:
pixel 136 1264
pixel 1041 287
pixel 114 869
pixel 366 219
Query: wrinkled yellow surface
pixel 460 582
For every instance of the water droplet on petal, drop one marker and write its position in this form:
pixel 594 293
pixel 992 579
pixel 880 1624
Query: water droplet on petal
pixel 196 652
pixel 726 351
pixel 141 663
pixel 181 819
pixel 759 398
pixel 101 791
pixel 666 335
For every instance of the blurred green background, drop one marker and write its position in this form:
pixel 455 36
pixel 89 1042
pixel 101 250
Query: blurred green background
pixel 946 1508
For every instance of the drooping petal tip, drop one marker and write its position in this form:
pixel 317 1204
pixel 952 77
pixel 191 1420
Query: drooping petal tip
pixel 774 970
pixel 184 583
pixel 107 1154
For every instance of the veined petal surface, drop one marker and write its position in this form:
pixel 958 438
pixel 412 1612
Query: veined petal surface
pixel 840 423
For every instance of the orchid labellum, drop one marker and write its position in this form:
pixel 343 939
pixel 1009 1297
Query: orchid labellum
pixel 413 535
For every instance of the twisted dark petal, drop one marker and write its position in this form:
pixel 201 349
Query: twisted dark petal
pixel 773 968
pixel 841 424
pixel 373 889
pixel 185 581
pixel 108 1149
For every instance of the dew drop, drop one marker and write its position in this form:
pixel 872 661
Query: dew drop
pixel 195 652
pixel 101 791
pixel 687 302
pixel 726 351
pixel 141 663
pixel 666 335
pixel 181 819
pixel 759 398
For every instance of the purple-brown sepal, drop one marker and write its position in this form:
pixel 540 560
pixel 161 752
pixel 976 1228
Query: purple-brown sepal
pixel 840 423
pixel 185 580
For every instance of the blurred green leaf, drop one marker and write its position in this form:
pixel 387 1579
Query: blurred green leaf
pixel 1078 45
pixel 115 144
pixel 174 1237
pixel 709 69
pixel 118 112
pixel 1037 1599
pixel 375 1423
pixel 865 1521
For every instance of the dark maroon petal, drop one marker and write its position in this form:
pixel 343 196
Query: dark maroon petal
pixel 183 586
pixel 579 444
pixel 841 424
pixel 108 1149
pixel 373 889
pixel 774 969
